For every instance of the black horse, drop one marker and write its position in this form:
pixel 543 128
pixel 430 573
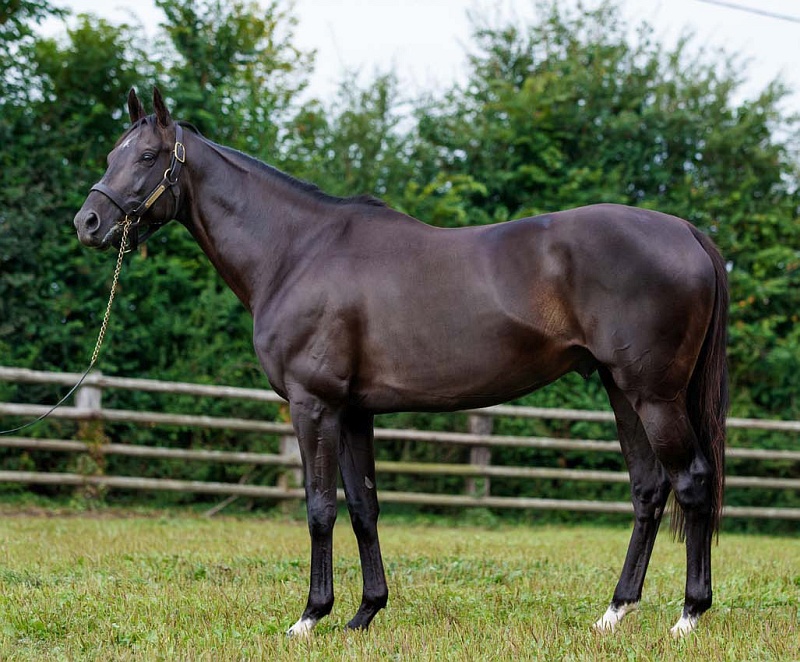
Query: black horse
pixel 359 310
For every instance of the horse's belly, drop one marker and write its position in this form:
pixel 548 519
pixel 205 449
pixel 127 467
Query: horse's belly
pixel 462 377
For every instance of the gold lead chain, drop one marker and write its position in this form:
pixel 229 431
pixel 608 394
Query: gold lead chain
pixel 123 246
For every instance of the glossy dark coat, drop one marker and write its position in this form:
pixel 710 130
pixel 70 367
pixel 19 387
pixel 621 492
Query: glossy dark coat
pixel 359 309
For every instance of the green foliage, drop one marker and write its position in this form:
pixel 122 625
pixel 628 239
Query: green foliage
pixel 572 109
pixel 355 145
pixel 45 280
pixel 235 66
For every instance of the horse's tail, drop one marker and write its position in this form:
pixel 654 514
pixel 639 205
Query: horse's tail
pixel 708 389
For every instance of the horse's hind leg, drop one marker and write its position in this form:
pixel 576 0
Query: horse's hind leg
pixel 357 466
pixel 692 478
pixel 649 490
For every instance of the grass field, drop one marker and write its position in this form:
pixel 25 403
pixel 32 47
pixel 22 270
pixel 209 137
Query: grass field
pixel 176 587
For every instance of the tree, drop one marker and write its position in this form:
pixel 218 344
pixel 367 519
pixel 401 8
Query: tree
pixel 236 67
pixel 45 170
pixel 364 142
pixel 352 146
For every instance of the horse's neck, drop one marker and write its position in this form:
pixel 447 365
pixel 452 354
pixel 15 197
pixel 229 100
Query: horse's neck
pixel 247 219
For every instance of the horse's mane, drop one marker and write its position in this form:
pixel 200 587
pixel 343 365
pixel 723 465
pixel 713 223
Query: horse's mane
pixel 294 182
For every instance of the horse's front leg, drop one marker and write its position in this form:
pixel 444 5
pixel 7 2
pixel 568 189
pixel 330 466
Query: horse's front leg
pixel 318 429
pixel 357 464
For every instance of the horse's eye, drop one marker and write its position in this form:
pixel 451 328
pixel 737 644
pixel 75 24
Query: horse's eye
pixel 148 157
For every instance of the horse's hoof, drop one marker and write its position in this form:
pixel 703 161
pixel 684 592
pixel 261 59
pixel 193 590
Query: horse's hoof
pixel 302 628
pixel 613 616
pixel 684 626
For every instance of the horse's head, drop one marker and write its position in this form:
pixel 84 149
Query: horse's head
pixel 144 165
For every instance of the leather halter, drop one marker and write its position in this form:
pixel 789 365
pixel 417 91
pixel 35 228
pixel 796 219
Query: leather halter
pixel 135 209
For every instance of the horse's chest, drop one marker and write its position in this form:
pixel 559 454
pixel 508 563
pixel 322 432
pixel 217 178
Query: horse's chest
pixel 307 345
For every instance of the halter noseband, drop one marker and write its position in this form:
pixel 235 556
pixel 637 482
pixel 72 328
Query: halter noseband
pixel 136 209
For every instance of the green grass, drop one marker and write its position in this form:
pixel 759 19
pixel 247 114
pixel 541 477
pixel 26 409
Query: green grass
pixel 179 587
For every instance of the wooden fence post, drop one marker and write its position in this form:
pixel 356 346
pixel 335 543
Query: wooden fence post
pixel 89 396
pixel 89 399
pixel 479 455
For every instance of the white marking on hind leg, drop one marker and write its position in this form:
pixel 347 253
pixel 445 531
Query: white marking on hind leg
pixel 302 628
pixel 684 626
pixel 613 616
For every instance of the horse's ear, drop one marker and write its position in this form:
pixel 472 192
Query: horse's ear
pixel 162 114
pixel 135 108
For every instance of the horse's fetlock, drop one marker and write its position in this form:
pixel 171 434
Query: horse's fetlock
pixel 697 602
pixel 376 599
pixel 318 608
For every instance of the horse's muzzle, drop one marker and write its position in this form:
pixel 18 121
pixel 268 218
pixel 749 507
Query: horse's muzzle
pixel 92 231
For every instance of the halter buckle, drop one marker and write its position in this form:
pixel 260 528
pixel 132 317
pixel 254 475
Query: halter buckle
pixel 179 152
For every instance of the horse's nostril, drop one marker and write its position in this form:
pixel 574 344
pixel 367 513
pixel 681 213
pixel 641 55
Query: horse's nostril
pixel 91 222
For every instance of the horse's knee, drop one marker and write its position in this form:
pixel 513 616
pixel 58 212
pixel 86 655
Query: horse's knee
pixel 649 498
pixel 321 516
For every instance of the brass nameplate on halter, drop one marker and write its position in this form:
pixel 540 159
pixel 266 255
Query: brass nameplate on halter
pixel 154 196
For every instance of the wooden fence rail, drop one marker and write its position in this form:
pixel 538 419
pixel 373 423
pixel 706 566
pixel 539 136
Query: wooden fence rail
pixel 88 407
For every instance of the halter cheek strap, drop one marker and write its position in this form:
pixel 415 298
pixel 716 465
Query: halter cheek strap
pixel 135 209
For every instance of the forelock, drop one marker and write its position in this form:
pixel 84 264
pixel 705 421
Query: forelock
pixel 125 138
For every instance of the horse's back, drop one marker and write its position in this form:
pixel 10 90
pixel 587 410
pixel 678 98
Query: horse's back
pixel 594 258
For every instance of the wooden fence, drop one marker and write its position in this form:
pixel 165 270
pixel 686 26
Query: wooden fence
pixel 88 407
